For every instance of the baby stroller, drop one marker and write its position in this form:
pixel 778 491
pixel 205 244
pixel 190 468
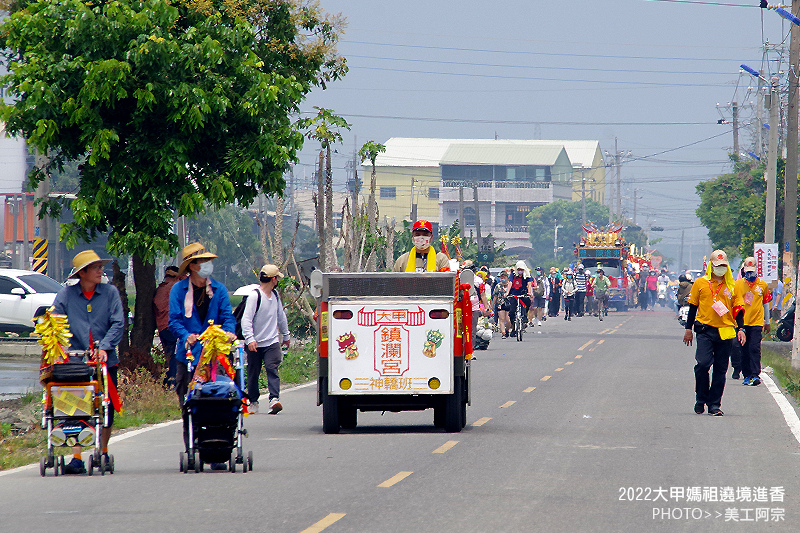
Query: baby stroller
pixel 215 410
pixel 75 406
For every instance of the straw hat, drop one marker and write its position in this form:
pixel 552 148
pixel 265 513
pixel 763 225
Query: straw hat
pixel 84 259
pixel 190 253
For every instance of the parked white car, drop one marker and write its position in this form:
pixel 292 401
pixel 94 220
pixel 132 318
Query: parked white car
pixel 24 294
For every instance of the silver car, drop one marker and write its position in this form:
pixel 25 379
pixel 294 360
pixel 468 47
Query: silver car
pixel 24 294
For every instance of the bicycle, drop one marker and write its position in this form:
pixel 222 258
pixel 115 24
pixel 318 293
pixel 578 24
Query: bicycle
pixel 520 319
pixel 601 305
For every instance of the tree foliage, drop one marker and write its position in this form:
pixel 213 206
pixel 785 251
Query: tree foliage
pixel 732 207
pixel 175 105
pixel 541 227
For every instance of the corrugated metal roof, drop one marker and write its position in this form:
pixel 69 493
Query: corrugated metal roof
pixel 502 154
pixel 430 152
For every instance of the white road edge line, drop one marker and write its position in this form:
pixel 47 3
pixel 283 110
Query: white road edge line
pixel 786 408
pixel 136 432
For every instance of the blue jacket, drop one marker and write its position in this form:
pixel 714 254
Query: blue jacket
pixel 219 310
pixel 102 315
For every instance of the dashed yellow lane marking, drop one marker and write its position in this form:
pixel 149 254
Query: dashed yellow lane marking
pixel 585 345
pixel 446 446
pixel 602 332
pixel 568 363
pixel 400 476
pixel 509 403
pixel 529 389
pixel 325 522
pixel 545 378
pixel 559 369
pixel 613 330
pixel 601 341
pixel 481 421
pixel 578 356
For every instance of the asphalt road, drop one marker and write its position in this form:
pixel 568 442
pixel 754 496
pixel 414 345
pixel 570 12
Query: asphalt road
pixel 586 426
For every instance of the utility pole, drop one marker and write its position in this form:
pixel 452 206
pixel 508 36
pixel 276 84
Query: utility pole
pixel 735 110
pixel 40 232
pixel 634 206
pixel 617 158
pixel 680 254
pixel 555 239
pixel 583 196
pixel 477 214
pixel 790 209
pixel 772 162
pixel 461 211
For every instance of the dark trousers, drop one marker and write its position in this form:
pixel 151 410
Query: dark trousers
pixel 270 356
pixel 513 304
pixel 168 342
pixel 712 354
pixel 751 352
pixel 569 306
pixel 182 379
pixel 555 301
pixel 579 305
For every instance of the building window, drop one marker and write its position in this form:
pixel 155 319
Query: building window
pixel 433 193
pixel 469 217
pixel 388 192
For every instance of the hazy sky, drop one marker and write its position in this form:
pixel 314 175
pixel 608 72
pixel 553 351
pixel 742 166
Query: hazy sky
pixel 648 72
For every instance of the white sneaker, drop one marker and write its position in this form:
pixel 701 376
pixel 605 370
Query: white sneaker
pixel 538 322
pixel 252 408
pixel 275 406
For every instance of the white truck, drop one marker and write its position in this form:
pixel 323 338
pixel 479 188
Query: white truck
pixel 393 342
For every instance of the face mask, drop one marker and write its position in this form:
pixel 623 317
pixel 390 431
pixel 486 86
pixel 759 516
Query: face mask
pixel 422 242
pixel 750 276
pixel 206 269
pixel 720 270
pixel 520 273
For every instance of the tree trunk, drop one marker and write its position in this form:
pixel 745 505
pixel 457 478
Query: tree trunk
pixel 372 215
pixel 320 205
pixel 118 281
pixel 144 321
pixel 389 245
pixel 331 259
pixel 262 227
pixel 277 249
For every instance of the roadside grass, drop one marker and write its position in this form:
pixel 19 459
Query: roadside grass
pixel 144 401
pixel 787 377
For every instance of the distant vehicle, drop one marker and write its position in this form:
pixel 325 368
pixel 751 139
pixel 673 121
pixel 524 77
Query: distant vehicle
pixel 24 294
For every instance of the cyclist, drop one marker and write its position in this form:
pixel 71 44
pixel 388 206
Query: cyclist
pixel 519 291
pixel 601 285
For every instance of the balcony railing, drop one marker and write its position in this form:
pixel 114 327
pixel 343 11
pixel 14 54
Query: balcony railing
pixel 468 184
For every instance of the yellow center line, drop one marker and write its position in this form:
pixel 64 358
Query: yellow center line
pixel 325 522
pixel 446 446
pixel 529 389
pixel 545 378
pixel 509 403
pixel 601 341
pixel 578 356
pixel 568 363
pixel 603 331
pixel 585 345
pixel 612 331
pixel 481 421
pixel 559 369
pixel 400 476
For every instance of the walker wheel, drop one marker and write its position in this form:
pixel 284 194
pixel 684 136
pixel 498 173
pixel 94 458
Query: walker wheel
pixel 42 465
pixel 90 464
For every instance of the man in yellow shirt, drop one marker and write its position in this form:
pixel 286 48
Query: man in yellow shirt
pixel 756 297
pixel 715 311
pixel 422 257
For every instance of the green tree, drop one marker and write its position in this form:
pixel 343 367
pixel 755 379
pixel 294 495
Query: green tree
pixel 542 221
pixel 732 207
pixel 176 106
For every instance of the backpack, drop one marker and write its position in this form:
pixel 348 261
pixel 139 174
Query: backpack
pixel 539 290
pixel 239 312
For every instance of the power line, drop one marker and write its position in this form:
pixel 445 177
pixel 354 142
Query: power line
pixel 704 2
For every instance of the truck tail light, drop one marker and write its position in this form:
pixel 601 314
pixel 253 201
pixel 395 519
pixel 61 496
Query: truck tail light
pixel 434 383
pixel 439 313
pixel 343 314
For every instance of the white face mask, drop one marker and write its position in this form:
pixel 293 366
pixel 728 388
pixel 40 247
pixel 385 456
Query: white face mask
pixel 206 269
pixel 422 242
pixel 720 270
